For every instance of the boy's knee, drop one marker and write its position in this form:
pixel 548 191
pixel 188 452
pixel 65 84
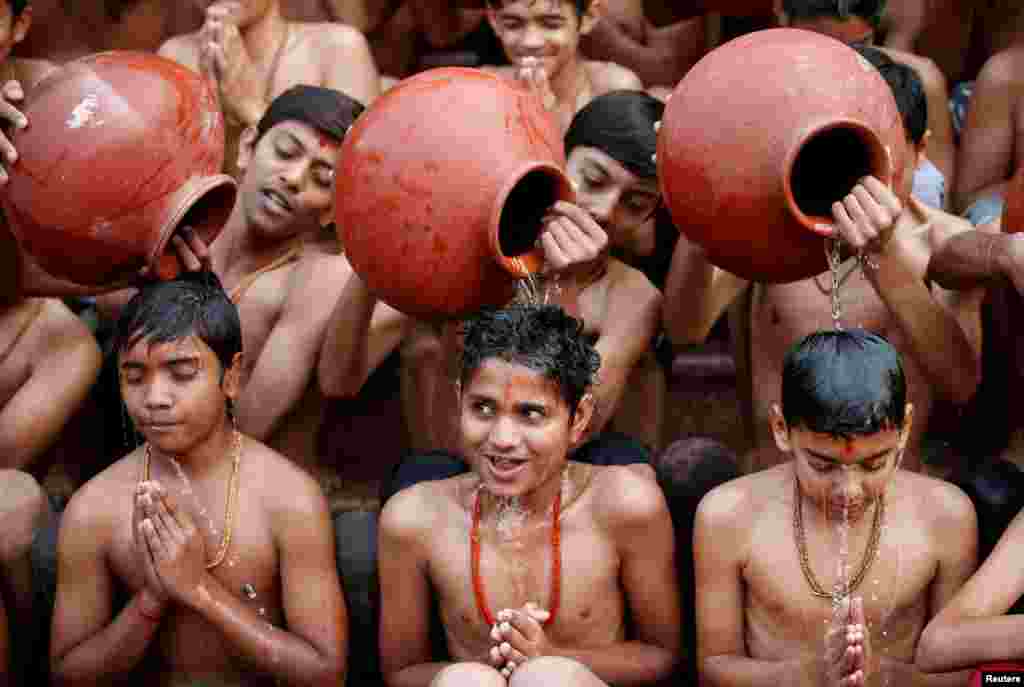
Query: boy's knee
pixel 23 509
pixel 468 674
pixel 553 671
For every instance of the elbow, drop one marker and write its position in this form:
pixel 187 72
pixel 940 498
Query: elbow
pixel 931 648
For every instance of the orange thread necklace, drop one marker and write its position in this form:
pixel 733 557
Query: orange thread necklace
pixel 556 562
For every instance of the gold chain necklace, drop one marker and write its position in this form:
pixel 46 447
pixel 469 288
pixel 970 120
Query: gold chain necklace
pixel 229 506
pixel 869 554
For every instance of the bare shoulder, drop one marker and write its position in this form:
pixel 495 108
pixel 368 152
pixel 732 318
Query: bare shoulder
pixel 413 513
pixel 1003 70
pixel 929 72
pixel 937 503
pixel 740 502
pixel 333 35
pixel 609 76
pixel 316 282
pixel 105 500
pixel 286 488
pixel 58 329
pixel 183 49
pixel 623 498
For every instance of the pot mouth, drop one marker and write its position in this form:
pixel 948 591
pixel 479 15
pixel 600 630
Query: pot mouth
pixel 516 219
pixel 824 166
pixel 203 203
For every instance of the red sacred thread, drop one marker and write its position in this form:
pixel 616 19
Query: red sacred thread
pixel 556 562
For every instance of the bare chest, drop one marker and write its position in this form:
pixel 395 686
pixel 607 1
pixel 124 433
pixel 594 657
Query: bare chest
pixel 514 570
pixel 259 308
pixel 782 614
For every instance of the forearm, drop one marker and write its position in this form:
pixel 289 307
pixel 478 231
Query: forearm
pixel 970 259
pixel 742 671
pixel 116 649
pixel 417 675
pixel 696 294
pixel 968 643
pixel 902 673
pixel 268 648
pixel 626 663
pixel 344 362
pixel 934 336
pixel 267 398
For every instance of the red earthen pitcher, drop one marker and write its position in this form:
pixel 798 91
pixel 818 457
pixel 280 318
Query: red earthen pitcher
pixel 762 136
pixel 122 148
pixel 441 189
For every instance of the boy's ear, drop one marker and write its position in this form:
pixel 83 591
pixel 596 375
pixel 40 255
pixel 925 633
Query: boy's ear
pixel 592 15
pixel 246 147
pixel 232 383
pixel 581 419
pixel 780 430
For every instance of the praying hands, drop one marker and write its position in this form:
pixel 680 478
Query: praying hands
pixel 175 552
pixel 518 636
pixel 847 645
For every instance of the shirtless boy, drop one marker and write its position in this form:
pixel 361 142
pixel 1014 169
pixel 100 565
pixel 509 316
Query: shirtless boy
pixel 992 144
pixel 283 280
pixel 535 559
pixel 937 330
pixel 222 567
pixel 660 56
pixel 254 54
pixel 772 583
pixel 541 39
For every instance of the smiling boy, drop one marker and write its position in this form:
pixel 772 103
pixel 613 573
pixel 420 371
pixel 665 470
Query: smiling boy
pixel 536 561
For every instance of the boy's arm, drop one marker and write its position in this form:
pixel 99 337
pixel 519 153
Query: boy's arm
pixel 696 294
pixel 405 593
pixel 361 333
pixel 986 155
pixel 972 628
pixel 88 646
pixel 720 541
pixel 630 324
pixel 349 65
pixel 872 220
pixel 63 369
pixel 288 359
pixel 310 649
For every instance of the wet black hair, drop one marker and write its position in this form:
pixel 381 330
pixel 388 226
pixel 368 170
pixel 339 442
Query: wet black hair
pixel 193 304
pixel 542 338
pixel 18 6
pixel 871 10
pixel 581 5
pixel 328 111
pixel 621 124
pixel 844 383
pixel 906 86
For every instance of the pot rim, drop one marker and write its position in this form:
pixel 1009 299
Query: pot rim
pixel 190 192
pixel 531 261
pixel 880 155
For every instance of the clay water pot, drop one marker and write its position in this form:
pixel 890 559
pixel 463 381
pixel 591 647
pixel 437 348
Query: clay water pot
pixel 1013 211
pixel 122 148
pixel 441 188
pixel 762 136
pixel 996 669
